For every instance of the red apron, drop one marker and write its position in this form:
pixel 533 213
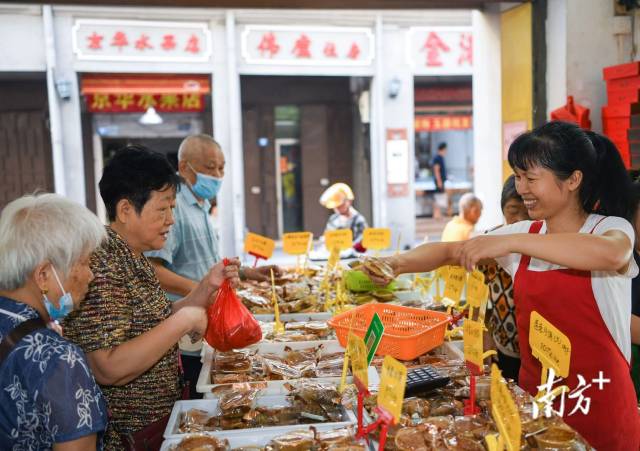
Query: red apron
pixel 565 298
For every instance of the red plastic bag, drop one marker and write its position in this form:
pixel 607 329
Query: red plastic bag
pixel 231 324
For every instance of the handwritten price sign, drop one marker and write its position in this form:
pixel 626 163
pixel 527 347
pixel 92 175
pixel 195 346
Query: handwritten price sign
pixel 377 239
pixel 338 239
pixel 549 345
pixel 259 246
pixel 358 355
pixel 454 283
pixel 504 412
pixel 392 384
pixel 296 243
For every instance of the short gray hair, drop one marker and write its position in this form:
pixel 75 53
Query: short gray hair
pixel 44 227
pixel 195 144
pixel 469 200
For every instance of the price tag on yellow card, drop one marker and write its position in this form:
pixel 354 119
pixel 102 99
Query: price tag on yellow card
pixel 393 381
pixel 296 243
pixel 549 345
pixel 338 239
pixel 454 283
pixel 259 246
pixel 477 290
pixel 376 239
pixel 504 411
pixel 472 341
pixel 358 355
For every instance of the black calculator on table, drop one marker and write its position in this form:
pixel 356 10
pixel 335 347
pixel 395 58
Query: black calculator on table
pixel 424 379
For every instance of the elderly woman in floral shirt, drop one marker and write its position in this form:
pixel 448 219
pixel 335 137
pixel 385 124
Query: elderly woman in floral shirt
pixel 48 396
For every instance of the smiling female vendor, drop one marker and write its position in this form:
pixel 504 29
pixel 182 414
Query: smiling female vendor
pixel 572 264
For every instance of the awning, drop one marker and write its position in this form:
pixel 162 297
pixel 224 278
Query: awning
pixel 145 84
pixel 125 93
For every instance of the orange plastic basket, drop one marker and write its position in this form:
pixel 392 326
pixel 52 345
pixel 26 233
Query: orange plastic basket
pixel 408 332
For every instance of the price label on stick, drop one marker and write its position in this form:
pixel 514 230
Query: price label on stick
pixel 477 290
pixel 549 345
pixel 358 354
pixel 373 336
pixel 454 283
pixel 259 246
pixel 338 239
pixel 393 382
pixel 504 411
pixel 376 239
pixel 296 243
pixel 473 342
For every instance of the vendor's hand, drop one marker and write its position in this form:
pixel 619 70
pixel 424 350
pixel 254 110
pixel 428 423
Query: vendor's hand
pixel 195 319
pixel 219 272
pixel 382 281
pixel 262 273
pixel 481 248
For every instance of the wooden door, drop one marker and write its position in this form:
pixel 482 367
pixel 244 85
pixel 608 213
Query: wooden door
pixel 260 170
pixel 25 146
pixel 315 143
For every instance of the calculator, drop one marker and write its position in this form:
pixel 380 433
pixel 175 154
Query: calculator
pixel 424 379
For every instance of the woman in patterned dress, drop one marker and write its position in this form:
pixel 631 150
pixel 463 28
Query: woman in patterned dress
pixel 126 325
pixel 48 396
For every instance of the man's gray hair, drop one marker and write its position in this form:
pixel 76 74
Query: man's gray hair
pixel 468 200
pixel 44 227
pixel 194 144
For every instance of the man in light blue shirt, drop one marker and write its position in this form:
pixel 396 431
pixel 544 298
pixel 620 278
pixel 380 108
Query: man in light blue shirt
pixel 192 244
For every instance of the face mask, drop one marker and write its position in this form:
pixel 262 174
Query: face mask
pixel 65 301
pixel 206 186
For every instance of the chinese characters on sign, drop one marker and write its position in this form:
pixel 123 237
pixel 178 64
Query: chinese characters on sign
pixel 441 50
pixel 133 40
pixel 549 345
pixel 134 103
pixel 295 45
pixel 434 123
pixel 582 402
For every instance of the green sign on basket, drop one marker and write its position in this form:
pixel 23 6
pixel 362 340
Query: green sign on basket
pixel 373 336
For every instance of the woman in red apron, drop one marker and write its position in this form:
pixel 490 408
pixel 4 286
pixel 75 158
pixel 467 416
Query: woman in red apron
pixel 576 189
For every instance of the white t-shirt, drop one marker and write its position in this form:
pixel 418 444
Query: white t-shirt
pixel 611 290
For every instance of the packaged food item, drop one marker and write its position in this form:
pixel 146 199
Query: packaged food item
pixel 201 443
pixel 378 267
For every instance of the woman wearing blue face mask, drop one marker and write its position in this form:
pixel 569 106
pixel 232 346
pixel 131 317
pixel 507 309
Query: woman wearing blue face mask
pixel 48 396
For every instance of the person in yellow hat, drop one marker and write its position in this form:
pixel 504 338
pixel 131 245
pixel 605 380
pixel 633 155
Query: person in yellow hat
pixel 339 198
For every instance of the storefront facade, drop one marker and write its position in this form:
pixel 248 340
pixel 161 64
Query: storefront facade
pixel 240 69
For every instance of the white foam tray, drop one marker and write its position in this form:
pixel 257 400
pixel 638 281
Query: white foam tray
pixel 311 316
pixel 211 407
pixel 205 386
pixel 253 437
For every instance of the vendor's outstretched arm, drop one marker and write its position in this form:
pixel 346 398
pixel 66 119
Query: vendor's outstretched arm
pixel 611 251
pixel 426 257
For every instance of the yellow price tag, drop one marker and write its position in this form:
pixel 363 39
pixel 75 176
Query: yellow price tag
pixel 376 239
pixel 296 243
pixel 549 345
pixel 258 245
pixel 477 290
pixel 338 239
pixel 358 355
pixel 454 283
pixel 393 381
pixel 472 337
pixel 504 411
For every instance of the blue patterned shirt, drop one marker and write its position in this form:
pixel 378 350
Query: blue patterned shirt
pixel 47 391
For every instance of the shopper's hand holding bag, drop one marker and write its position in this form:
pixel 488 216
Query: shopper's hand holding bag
pixel 231 324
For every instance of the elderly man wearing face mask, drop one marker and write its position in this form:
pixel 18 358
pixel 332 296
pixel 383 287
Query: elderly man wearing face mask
pixel 192 244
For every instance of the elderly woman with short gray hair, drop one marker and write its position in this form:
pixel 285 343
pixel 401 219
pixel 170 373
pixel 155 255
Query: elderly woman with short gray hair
pixel 48 396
